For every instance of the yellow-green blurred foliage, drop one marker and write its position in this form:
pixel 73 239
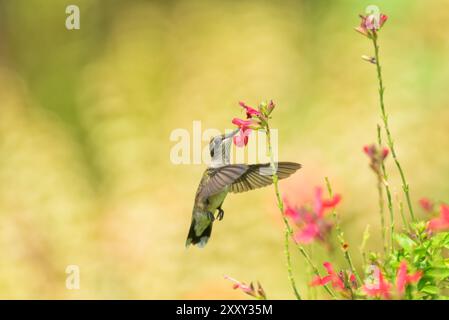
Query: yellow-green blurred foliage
pixel 85 119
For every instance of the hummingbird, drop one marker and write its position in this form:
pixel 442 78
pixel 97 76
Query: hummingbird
pixel 220 178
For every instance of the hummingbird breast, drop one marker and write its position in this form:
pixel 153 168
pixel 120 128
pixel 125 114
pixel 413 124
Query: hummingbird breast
pixel 216 200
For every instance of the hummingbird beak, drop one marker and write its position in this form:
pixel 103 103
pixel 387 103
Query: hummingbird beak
pixel 231 134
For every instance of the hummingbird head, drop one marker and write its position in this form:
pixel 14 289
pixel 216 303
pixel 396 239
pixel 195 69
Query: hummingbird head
pixel 219 147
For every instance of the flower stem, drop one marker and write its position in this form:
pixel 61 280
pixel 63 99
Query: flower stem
pixel 288 228
pixel 384 180
pixel 340 235
pixel 401 211
pixel 289 265
pixel 381 210
pixel 405 186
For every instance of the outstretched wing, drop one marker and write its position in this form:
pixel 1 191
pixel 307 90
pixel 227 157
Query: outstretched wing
pixel 260 175
pixel 219 178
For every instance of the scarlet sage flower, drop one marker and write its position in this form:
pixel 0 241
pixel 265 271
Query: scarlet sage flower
pixel 239 285
pixel 248 289
pixel 442 222
pixel 332 277
pixel 245 127
pixel 379 288
pixel 312 223
pixel 321 204
pixel 376 156
pixel 403 278
pixel 373 152
pixel 250 112
pixel 369 25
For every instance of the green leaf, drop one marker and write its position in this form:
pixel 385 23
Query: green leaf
pixel 405 242
pixel 438 273
pixel 441 239
pixel 430 289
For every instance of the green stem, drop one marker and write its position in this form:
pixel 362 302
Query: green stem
pixel 381 210
pixel 401 211
pixel 405 186
pixel 340 236
pixel 289 265
pixel 288 228
pixel 387 187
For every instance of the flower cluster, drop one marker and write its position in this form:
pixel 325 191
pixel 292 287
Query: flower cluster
pixel 371 24
pixel 376 286
pixel 376 156
pixel 342 281
pixel 311 220
pixel 255 120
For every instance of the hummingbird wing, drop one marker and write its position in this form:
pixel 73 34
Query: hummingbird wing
pixel 260 175
pixel 219 178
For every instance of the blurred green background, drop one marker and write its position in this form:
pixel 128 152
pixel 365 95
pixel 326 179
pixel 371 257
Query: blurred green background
pixel 85 119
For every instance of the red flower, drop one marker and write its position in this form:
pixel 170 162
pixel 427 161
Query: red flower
pixel 426 204
pixel 248 289
pixel 379 288
pixel 312 223
pixel 321 205
pixel 250 112
pixel 239 285
pixel 308 233
pixel 372 152
pixel 332 277
pixel 245 126
pixel 442 222
pixel 376 156
pixel 369 25
pixel 403 278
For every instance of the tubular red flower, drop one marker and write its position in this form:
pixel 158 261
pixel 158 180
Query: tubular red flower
pixel 308 233
pixel 240 285
pixel 245 126
pixel 403 278
pixel 442 222
pixel 241 139
pixel 242 124
pixel 312 223
pixel 321 205
pixel 369 25
pixel 250 112
pixel 332 277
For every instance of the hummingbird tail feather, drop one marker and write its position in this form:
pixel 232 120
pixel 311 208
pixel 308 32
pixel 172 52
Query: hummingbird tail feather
pixel 198 240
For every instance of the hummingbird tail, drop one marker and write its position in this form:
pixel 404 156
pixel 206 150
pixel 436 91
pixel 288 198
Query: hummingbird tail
pixel 198 240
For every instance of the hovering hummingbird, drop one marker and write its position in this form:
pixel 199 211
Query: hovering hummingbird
pixel 222 177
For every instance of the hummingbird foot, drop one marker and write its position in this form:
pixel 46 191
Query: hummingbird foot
pixel 220 214
pixel 210 215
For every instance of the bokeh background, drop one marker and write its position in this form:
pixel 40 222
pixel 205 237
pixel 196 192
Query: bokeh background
pixel 86 115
